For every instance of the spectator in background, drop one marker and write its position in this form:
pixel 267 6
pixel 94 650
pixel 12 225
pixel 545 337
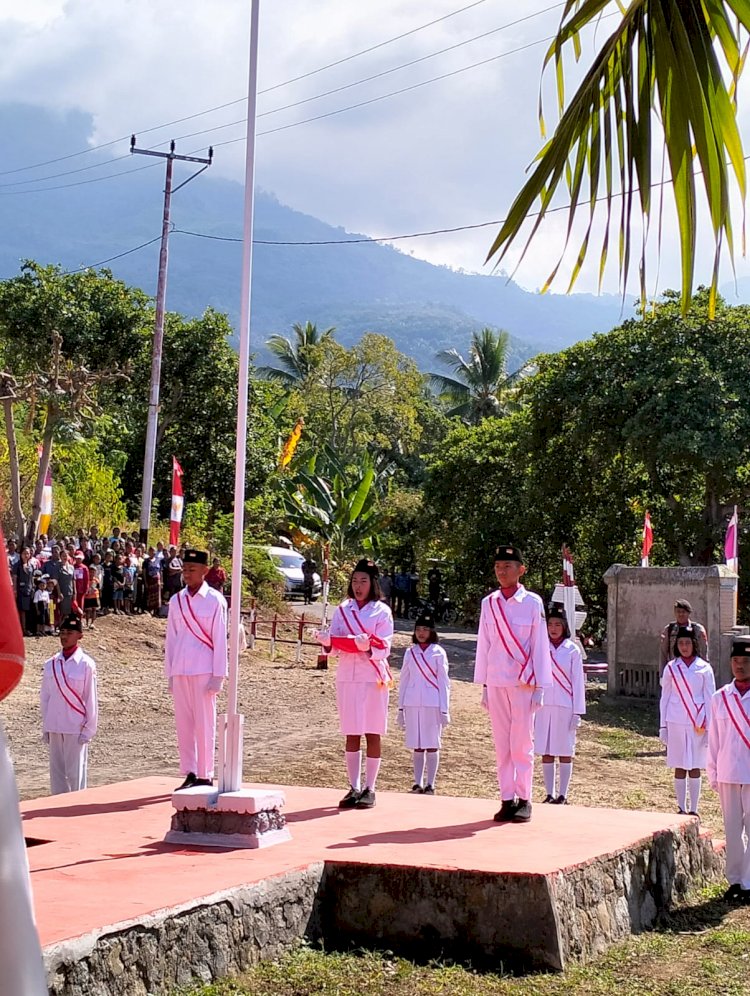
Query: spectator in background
pixel 217 576
pixel 682 612
pixel 23 585
pixel 309 567
pixel 172 573
pixel 153 581
pixel 53 564
pixel 13 555
pixel 434 585
pixel 81 575
pixel 108 585
pixel 66 582
pixel 118 584
pixel 385 588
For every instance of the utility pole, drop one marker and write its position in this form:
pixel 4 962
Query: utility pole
pixel 161 297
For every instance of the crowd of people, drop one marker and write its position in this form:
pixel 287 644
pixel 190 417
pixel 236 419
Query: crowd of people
pixel 92 575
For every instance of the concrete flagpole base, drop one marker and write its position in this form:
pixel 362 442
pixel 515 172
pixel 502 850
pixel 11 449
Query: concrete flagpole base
pixel 205 817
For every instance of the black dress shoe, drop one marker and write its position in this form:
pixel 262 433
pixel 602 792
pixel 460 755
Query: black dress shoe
pixel 506 812
pixel 417 789
pixel 560 801
pixel 733 893
pixel 428 790
pixel 523 812
pixel 366 800
pixel 549 798
pixel 202 781
pixel 190 780
pixel 350 799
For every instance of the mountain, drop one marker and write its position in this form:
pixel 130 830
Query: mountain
pixel 82 219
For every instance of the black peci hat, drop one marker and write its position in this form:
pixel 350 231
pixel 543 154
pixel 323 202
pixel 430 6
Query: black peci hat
pixel 685 633
pixel 425 619
pixel 508 552
pixel 195 557
pixel 741 647
pixel 72 622
pixel 366 566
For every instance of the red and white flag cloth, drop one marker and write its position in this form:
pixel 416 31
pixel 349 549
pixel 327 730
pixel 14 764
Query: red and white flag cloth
pixel 648 540
pixel 178 503
pixel 731 544
pixel 12 650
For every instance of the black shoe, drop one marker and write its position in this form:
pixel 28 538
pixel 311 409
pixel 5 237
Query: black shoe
pixel 428 790
pixel 733 893
pixel 366 800
pixel 549 798
pixel 417 789
pixel 350 799
pixel 693 813
pixel 523 812
pixel 506 812
pixel 560 801
pixel 744 897
pixel 681 812
pixel 202 781
pixel 190 780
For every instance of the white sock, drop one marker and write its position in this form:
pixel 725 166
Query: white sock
pixel 433 762
pixel 418 766
pixel 566 770
pixel 372 767
pixel 353 768
pixel 548 769
pixel 680 791
pixel 695 793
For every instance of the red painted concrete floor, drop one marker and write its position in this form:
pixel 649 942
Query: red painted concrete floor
pixel 105 862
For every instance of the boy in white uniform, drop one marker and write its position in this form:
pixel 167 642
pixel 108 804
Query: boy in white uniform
pixel 728 768
pixel 424 701
pixel 195 665
pixel 513 664
pixel 69 710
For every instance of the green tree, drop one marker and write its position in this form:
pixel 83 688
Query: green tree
pixel 297 356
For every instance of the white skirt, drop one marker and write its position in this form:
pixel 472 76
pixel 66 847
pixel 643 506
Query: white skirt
pixel 423 729
pixel 686 748
pixel 552 732
pixel 363 707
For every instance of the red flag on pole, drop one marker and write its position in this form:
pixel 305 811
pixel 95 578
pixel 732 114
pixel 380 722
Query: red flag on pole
pixel 12 651
pixel 731 552
pixel 178 502
pixel 648 540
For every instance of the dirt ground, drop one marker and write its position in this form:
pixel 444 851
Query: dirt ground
pixel 291 727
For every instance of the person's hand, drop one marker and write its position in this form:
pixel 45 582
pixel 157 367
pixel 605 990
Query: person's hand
pixel 484 703
pixel 401 720
pixel 663 735
pixel 362 640
pixel 575 722
pixel 323 636
pixel 444 719
pixel 84 738
pixel 537 699
pixel 215 683
pixel 45 738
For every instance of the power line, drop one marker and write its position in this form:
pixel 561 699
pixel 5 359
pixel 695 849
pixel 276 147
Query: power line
pixel 110 259
pixel 343 242
pixel 240 100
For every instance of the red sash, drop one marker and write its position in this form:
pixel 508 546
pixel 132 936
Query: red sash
pixel 374 640
pixel 559 675
pixel 526 663
pixel 734 720
pixel 431 676
pixel 81 707
pixel 201 635
pixel 694 719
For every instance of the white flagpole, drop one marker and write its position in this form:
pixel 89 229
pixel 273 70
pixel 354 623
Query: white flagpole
pixel 232 728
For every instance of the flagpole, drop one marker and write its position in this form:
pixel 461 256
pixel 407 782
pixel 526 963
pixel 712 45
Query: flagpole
pixel 232 729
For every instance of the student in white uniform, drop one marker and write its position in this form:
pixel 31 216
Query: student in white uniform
pixel 728 768
pixel 556 723
pixel 687 686
pixel 513 664
pixel 360 633
pixel 424 701
pixel 69 710
pixel 195 665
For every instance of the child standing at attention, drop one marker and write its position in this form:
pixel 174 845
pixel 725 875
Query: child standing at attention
pixel 360 633
pixel 91 601
pixel 41 605
pixel 687 686
pixel 424 701
pixel 728 768
pixel 556 722
pixel 69 709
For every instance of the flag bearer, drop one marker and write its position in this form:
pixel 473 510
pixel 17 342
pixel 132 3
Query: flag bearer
pixel 728 768
pixel 687 686
pixel 556 722
pixel 513 664
pixel 424 701
pixel 69 709
pixel 195 665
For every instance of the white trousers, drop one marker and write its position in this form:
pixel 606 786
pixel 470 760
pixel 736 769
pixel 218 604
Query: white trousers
pixel 195 718
pixel 735 805
pixel 21 967
pixel 512 730
pixel 68 763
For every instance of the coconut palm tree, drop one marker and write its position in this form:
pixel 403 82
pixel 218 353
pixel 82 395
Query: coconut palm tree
pixel 664 80
pixel 296 355
pixel 481 383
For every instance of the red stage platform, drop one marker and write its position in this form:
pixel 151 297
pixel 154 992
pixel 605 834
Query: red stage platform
pixel 432 869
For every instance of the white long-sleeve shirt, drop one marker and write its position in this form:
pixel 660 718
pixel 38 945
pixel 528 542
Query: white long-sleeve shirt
pixel 568 689
pixel 729 737
pixel 424 680
pixel 686 693
pixel 512 643
pixel 373 618
pixel 196 634
pixel 68 695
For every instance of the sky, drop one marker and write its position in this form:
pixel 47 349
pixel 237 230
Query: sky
pixel 449 153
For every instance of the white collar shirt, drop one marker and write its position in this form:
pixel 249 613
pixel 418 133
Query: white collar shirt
pixel 512 643
pixel 424 681
pixel 68 694
pixel 196 633
pixel 729 737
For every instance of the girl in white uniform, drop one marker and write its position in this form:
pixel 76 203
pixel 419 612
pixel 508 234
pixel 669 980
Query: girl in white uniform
pixel 687 686
pixel 558 719
pixel 360 634
pixel 424 701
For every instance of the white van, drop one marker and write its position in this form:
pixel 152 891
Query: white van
pixel 289 565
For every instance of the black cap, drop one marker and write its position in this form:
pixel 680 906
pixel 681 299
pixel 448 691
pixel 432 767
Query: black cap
pixel 741 646
pixel 425 619
pixel 682 603
pixel 508 552
pixel 195 557
pixel 365 566
pixel 555 611
pixel 72 622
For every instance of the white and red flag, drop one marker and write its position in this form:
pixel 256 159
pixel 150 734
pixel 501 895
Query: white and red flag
pixel 178 503
pixel 648 540
pixel 731 544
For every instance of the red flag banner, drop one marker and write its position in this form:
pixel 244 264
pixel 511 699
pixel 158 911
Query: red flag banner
pixel 648 540
pixel 12 650
pixel 178 503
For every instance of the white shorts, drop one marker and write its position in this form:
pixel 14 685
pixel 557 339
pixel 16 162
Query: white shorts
pixel 423 729
pixel 552 733
pixel 686 748
pixel 363 707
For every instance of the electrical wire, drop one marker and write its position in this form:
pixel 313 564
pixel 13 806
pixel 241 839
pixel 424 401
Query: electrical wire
pixel 110 259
